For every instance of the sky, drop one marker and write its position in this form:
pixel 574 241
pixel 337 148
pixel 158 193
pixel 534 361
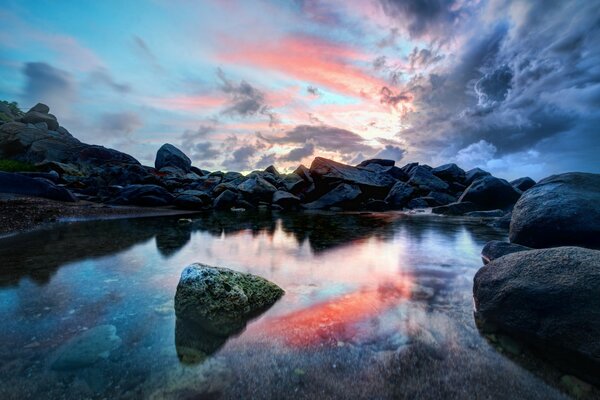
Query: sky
pixel 509 86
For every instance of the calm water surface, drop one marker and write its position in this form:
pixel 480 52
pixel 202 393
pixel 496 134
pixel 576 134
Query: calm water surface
pixel 376 306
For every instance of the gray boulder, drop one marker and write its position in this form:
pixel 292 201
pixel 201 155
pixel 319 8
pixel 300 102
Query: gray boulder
pixel 523 184
pixel 285 200
pixel 560 210
pixel 548 298
pixel 170 156
pixel 343 195
pixel 496 249
pixel 449 173
pixel 441 198
pixel 41 108
pixel 486 214
pixel 419 202
pixel 272 170
pixel 490 193
pixel 257 188
pixel 473 174
pixel 226 200
pixel 189 202
pixel 31 186
pixel 422 178
pixel 330 173
pixel 222 300
pixel 144 196
pixel 399 195
pixel 40 113
pixel 455 208
pixel 377 161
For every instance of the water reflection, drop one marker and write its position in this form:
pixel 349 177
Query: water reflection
pixel 376 305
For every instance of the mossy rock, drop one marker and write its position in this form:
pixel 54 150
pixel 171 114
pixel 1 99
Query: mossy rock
pixel 16 166
pixel 222 300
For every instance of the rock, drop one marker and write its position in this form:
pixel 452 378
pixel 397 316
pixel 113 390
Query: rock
pixel 37 187
pixel 503 222
pixel 225 200
pixel 257 189
pixel 86 348
pixel 343 195
pixel 272 170
pixel 409 167
pixel 144 196
pixel 548 298
pixel 222 300
pixel 441 198
pixel 329 173
pixel 419 202
pixel 170 156
pixel 376 205
pixel 449 173
pixel 496 249
pixel 523 183
pixel 285 199
pixel 34 117
pixel 490 193
pixel 473 174
pixel 425 181
pixel 188 202
pixel 559 210
pixel 399 195
pixel 486 214
pixel 377 161
pixel 455 208
pixel 41 108
pixel 293 183
pixel 392 171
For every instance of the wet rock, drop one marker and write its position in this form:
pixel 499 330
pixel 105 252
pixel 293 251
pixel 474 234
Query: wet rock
pixel 86 348
pixel 37 187
pixel 424 180
pixel 523 183
pixel 473 174
pixel 486 214
pixel 170 156
pixel 188 202
pixel 343 195
pixel 455 208
pixel 441 198
pixel 225 200
pixel 496 249
pixel 329 173
pixel 559 210
pixel 285 200
pixel 194 343
pixel 399 195
pixel 548 298
pixel 257 189
pixel 144 196
pixel 490 193
pixel 419 202
pixel 449 173
pixel 221 300
pixel 503 222
pixel 293 183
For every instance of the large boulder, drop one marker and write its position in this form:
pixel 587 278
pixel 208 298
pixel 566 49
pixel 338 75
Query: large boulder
pixel 473 174
pixel 377 161
pixel 144 196
pixel 343 195
pixel 399 195
pixel 523 184
pixel 170 156
pixel 455 209
pixel 560 210
pixel 496 249
pixel 37 187
pixel 285 200
pixel 40 114
pixel 449 173
pixel 330 173
pixel 226 200
pixel 222 300
pixel 422 178
pixel 257 188
pixel 490 193
pixel 548 298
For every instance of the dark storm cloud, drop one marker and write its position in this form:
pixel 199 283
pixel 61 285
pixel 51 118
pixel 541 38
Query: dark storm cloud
pixel 245 100
pixel 50 85
pixel 194 143
pixel 239 160
pixel 393 99
pixel 299 153
pixel 120 123
pixel 313 90
pixel 421 58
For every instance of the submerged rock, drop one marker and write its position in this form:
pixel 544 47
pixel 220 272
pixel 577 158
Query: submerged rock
pixel 548 298
pixel 222 300
pixel 86 348
pixel 560 210
pixel 496 249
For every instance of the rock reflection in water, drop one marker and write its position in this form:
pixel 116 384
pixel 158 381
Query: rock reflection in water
pixel 194 343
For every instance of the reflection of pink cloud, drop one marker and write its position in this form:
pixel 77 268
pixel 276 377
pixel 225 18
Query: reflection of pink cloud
pixel 311 59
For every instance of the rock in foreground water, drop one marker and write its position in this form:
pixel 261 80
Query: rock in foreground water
pixel 86 348
pixel 549 298
pixel 561 210
pixel 222 300
pixel 496 249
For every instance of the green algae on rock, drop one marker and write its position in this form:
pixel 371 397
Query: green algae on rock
pixel 220 299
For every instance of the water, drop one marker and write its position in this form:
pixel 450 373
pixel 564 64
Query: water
pixel 376 306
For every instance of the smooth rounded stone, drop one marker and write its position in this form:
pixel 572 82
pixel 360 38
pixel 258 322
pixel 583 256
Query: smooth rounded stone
pixel 486 214
pixel 170 156
pixel 33 186
pixel 560 210
pixel 455 208
pixel 144 195
pixel 86 349
pixel 549 299
pixel 496 249
pixel 257 188
pixel 422 178
pixel 523 184
pixel 473 174
pixel 490 193
pixel 399 195
pixel 221 300
pixel 34 117
pixel 285 200
pixel 188 202
pixel 377 161
pixel 343 195
pixel 225 200
pixel 449 173
pixel 41 108
pixel 441 198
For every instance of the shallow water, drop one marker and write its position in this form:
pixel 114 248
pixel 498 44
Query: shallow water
pixel 376 306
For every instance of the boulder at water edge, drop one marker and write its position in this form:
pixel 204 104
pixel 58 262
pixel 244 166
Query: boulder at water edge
pixel 490 193
pixel 549 298
pixel 37 187
pixel 222 300
pixel 561 210
pixel 170 156
pixel 496 249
